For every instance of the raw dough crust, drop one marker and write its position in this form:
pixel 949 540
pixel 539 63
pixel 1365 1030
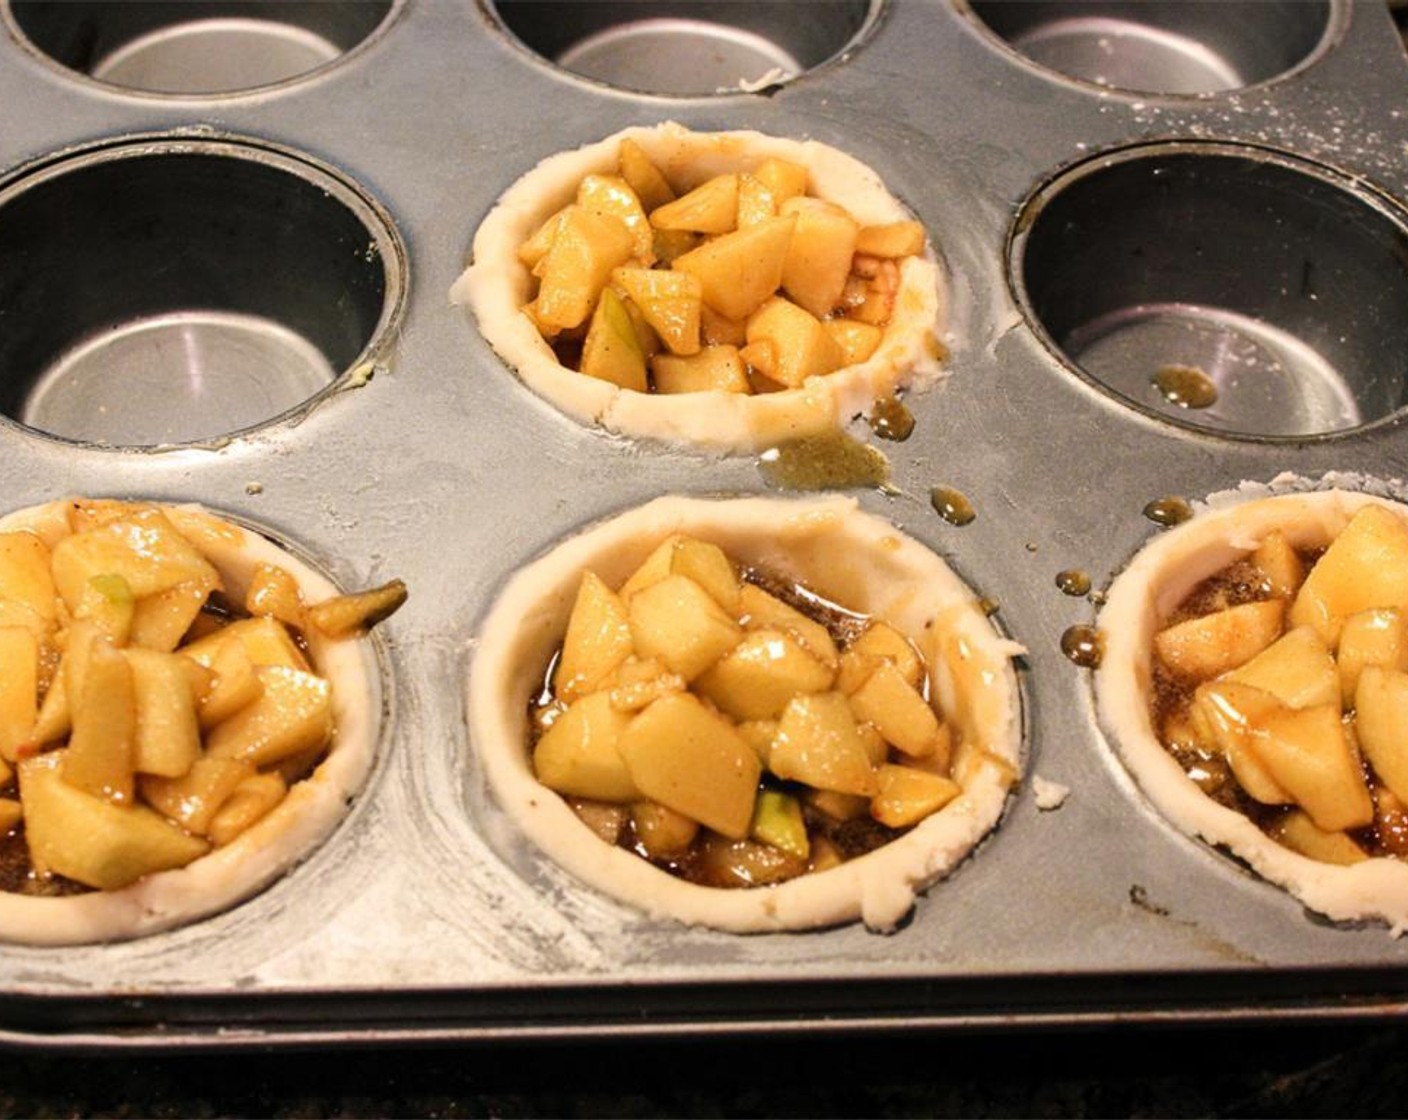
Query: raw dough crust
pixel 850 557
pixel 303 819
pixel 1160 576
pixel 497 285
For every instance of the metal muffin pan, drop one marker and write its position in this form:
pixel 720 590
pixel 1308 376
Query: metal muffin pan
pixel 425 916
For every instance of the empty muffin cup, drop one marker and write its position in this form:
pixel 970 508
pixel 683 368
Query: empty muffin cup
pixel 172 290
pixel 686 47
pixel 1224 287
pixel 196 47
pixel 1179 47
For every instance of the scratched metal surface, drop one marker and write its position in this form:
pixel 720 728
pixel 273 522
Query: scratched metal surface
pixel 424 915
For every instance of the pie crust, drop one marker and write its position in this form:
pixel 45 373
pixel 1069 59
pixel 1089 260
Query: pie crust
pixel 1158 578
pixel 843 554
pixel 305 817
pixel 497 285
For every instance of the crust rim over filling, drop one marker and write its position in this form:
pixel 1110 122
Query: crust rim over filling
pixel 496 285
pixel 816 542
pixel 1156 580
pixel 230 874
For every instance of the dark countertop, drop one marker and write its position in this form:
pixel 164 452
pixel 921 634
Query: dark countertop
pixel 1336 1069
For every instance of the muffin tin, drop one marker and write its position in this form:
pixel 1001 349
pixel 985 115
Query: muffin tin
pixel 238 294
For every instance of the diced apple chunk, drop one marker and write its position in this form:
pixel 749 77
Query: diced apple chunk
pixel 19 688
pixel 762 674
pixel 669 300
pixel 1372 637
pixel 691 759
pixel 645 179
pixel 579 755
pixel 783 178
pixel 612 351
pixel 762 611
pixel 1307 754
pixel 598 639
pixel 108 603
pixel 253 800
pixel 166 738
pixel 801 346
pixel 193 798
pixel 740 270
pixel 1279 565
pixel 266 640
pixel 612 195
pixel 1366 566
pixel 293 714
pixel 711 207
pixel 662 832
pixel 89 839
pixel 857 341
pixel 777 820
pixel 273 591
pixel 25 574
pixel 99 758
pixel 893 239
pixel 144 548
pixel 1301 834
pixel 160 621
pixel 1224 715
pixel 235 684
pixel 682 625
pixel 1199 649
pixel 818 743
pixel 715 369
pixel 1381 721
pixel 1297 669
pixel 906 795
pixel 897 711
pixel 345 615
pixel 575 270
pixel 819 256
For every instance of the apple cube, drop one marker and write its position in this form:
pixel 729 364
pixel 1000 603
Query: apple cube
pixel 637 683
pixel 777 820
pixel 711 207
pixel 1224 715
pixel 1381 721
pixel 167 736
pixel 25 573
pixel 273 591
pixel 612 195
pixel 193 798
pixel 679 623
pixel 99 759
pixel 755 202
pixel 606 821
pixel 1307 753
pixel 1372 637
pixel 691 759
pixel 144 548
pixel 893 239
pixel 1199 649
pixel 1279 565
pixel 19 688
pixel 818 743
pixel 579 754
pixel 1297 669
pixel 740 270
pixel 253 800
pixel 801 346
pixel 762 611
pixel 819 256
pixel 670 302
pixel 265 640
pixel 1301 834
pixel 1365 566
pixel 293 714
pixel 718 330
pixel 575 270
pixel 707 565
pixel 760 733
pixel 160 621
pixel 612 352
pixel 906 795
pixel 234 684
pixel 598 639
pixel 857 341
pixel 662 832
pixel 761 674
pixel 644 178
pixel 715 369
pixel 783 179
pixel 90 840
pixel 897 710
pixel 532 251
pixel 882 642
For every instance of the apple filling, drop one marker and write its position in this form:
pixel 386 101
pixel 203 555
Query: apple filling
pixel 158 699
pixel 733 729
pixel 1281 687
pixel 776 282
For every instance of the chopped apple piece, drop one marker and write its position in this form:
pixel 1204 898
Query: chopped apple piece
pixel 717 330
pixel 882 642
pixel 90 840
pixel 762 674
pixel 193 798
pixel 1307 754
pixel 760 733
pixel 783 178
pixel 858 341
pixel 907 795
pixel 714 369
pixel 253 800
pixel 607 821
pixel 801 346
pixel 1365 566
pixel 19 688
pixel 1372 637
pixel 160 621
pixel 265 640
pixel 762 611
pixel 819 256
pixel 1301 834
pixel 579 755
pixel 15 613
pixel 669 300
pixel 25 573
pixel 839 806
pixel 108 603
pixel 1279 565
pixel 708 566
pixel 740 270
pixel 1381 721
pixel 273 591
pixel 755 202
pixel 687 757
pixel 818 743
pixel 99 759
pixel 1297 669
pixel 637 683
pixel 777 820
pixel 575 270
pixel 1224 715
pixel 671 244
pixel 712 207
pixel 894 239
pixel 345 615
pixel 681 624
pixel 662 832
pixel 536 247
pixel 167 734
pixel 292 714
pixel 612 195
pixel 1199 649
pixel 897 710
pixel 235 684
pixel 144 548
pixel 612 351
pixel 645 179
pixel 598 639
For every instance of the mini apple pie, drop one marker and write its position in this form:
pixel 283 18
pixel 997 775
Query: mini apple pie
pixel 747 714
pixel 775 284
pixel 1255 680
pixel 185 708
